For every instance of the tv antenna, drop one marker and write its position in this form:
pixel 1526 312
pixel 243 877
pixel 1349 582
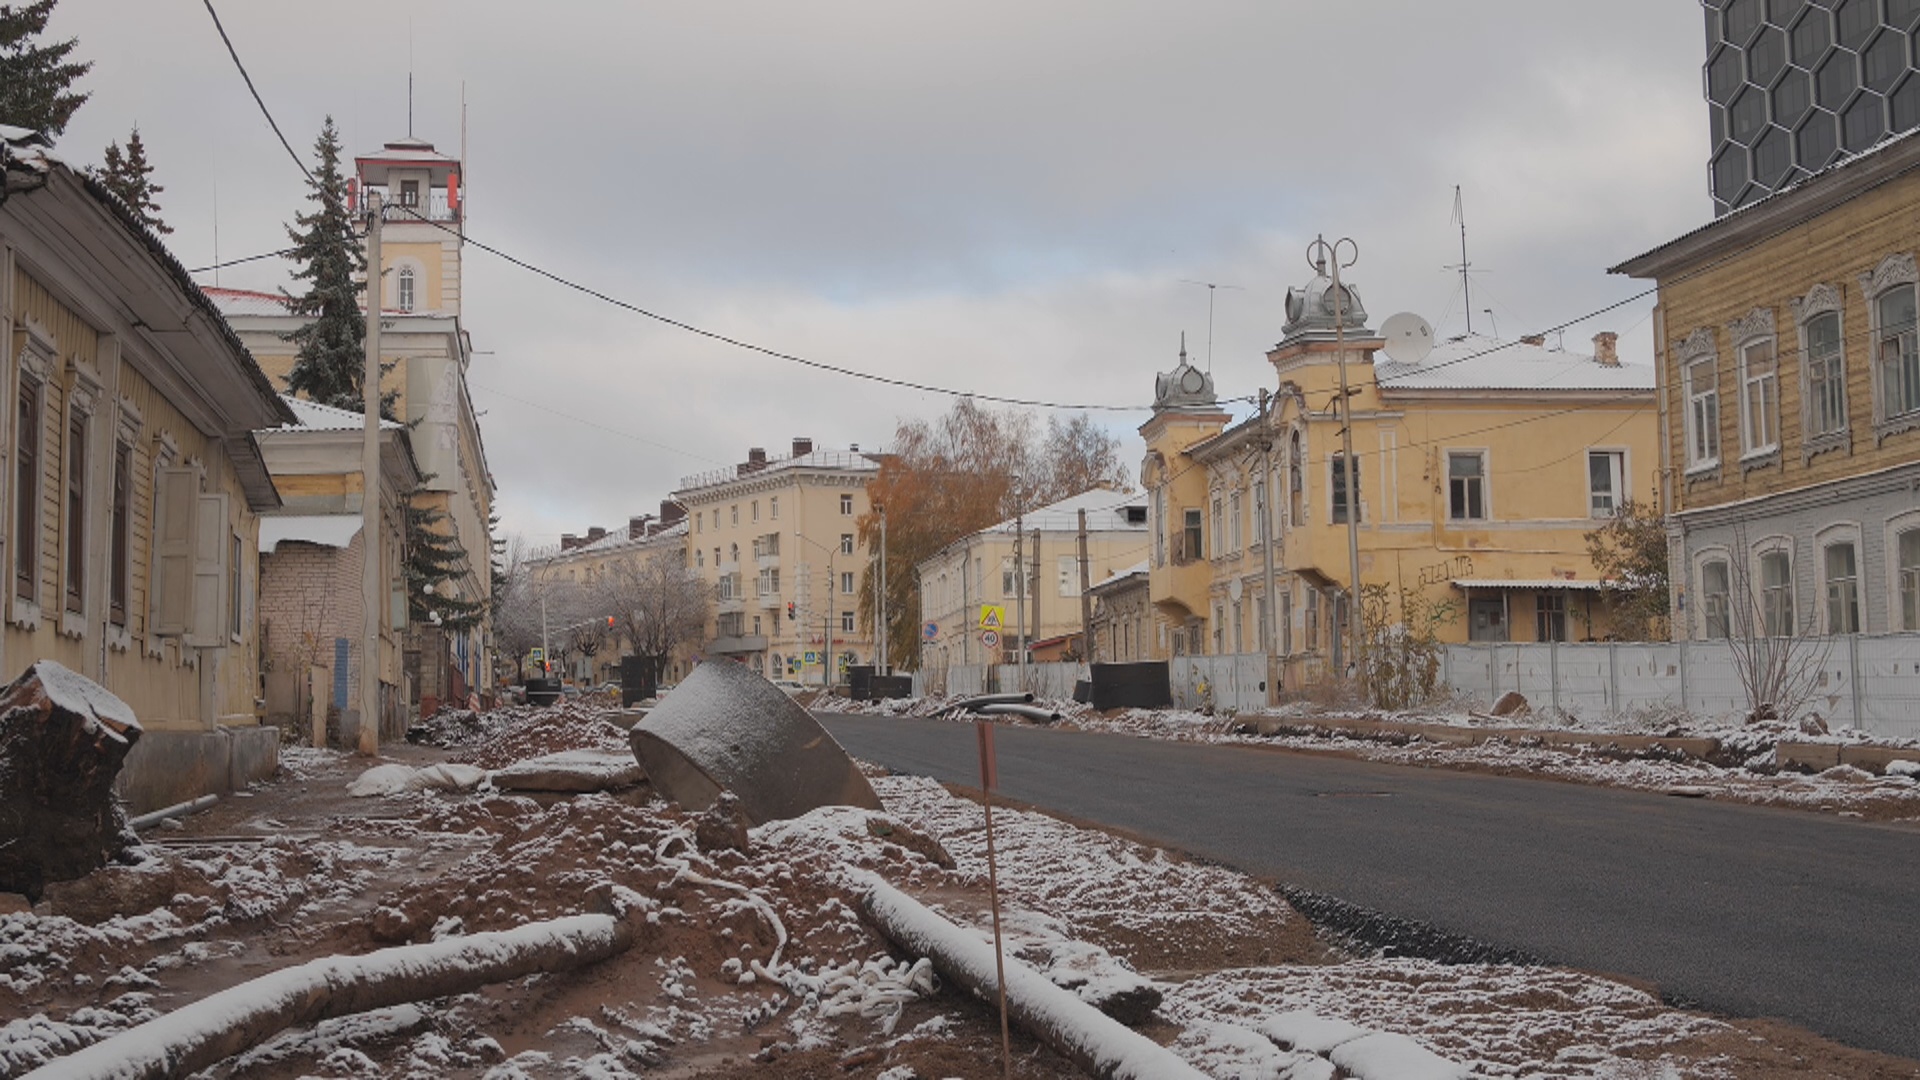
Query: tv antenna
pixel 1210 286
pixel 1466 288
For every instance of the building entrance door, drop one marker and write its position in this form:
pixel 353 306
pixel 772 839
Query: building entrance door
pixel 1487 620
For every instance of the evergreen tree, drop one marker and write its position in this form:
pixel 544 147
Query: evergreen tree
pixel 434 559
pixel 125 174
pixel 36 80
pixel 332 350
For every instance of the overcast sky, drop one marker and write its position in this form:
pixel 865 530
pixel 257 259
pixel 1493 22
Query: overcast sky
pixel 1001 197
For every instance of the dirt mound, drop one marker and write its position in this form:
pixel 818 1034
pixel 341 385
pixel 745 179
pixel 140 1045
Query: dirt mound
pixel 524 731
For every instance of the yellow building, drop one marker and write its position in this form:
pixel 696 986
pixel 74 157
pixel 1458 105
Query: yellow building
pixel 133 485
pixel 778 541
pixel 577 576
pixel 425 342
pixel 977 571
pixel 1790 393
pixel 1481 466
pixel 312 606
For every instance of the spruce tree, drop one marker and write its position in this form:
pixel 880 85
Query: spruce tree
pixel 125 174
pixel 331 357
pixel 36 80
pixel 434 558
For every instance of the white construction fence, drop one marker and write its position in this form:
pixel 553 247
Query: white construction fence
pixel 1867 682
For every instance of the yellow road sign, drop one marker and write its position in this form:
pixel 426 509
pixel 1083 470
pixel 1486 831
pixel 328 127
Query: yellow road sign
pixel 992 617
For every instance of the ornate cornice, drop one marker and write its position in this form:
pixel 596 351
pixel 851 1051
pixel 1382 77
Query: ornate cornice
pixel 1695 346
pixel 1754 324
pixel 1898 269
pixel 1819 300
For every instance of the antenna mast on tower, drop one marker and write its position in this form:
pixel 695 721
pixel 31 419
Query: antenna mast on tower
pixel 1466 288
pixel 1210 287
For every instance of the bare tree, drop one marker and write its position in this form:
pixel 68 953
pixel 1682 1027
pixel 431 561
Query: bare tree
pixel 1777 654
pixel 658 603
pixel 516 605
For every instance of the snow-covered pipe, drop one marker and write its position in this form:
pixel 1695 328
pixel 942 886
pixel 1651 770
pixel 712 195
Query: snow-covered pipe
pixel 1031 712
pixel 191 806
pixel 1095 1041
pixel 972 704
pixel 215 1028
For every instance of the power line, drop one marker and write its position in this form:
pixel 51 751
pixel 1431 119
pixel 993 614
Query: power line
pixel 245 259
pixel 255 92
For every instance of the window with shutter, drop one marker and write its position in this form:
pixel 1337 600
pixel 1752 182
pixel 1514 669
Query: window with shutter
pixel 175 510
pixel 208 623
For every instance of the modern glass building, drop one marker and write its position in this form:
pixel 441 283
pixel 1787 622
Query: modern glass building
pixel 1793 85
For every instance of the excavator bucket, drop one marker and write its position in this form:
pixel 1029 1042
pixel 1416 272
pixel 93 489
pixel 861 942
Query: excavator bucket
pixel 724 728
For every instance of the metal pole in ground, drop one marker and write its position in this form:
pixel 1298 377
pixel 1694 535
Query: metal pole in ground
pixel 989 779
pixel 371 535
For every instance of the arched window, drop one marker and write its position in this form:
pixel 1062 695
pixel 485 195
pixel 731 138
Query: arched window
pixel 1296 483
pixel 403 289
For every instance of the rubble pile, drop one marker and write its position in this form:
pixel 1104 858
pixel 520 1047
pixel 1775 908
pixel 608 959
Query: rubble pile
pixel 520 732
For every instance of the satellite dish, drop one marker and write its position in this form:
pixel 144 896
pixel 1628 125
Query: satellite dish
pixel 1409 338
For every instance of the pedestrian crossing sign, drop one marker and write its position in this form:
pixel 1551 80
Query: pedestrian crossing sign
pixel 992 617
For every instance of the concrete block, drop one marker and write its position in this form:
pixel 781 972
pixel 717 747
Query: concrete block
pixel 254 754
pixel 1810 755
pixel 167 767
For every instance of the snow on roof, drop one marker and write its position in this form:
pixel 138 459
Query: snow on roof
pixel 819 459
pixel 1106 512
pixel 1478 362
pixel 1529 585
pixel 233 302
pixel 1121 575
pixel 326 530
pixel 314 416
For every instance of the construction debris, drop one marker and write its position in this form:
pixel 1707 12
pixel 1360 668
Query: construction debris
pixel 725 728
pixel 63 738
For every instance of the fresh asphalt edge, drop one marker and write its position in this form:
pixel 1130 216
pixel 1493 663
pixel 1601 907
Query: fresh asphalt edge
pixel 1365 930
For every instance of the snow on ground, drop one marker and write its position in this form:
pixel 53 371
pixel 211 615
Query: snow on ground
pixel 758 962
pixel 1744 769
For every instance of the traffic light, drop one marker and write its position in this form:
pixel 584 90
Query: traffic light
pixel 790 613
pixel 609 622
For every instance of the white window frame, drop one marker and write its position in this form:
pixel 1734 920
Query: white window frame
pixel 1822 302
pixel 1761 597
pixel 1895 272
pixel 846 506
pixel 1702 559
pixel 1840 534
pixel 1219 545
pixel 846 583
pixel 405 284
pixel 1616 476
pixel 1700 390
pixel 1759 397
pixel 1067 567
pixel 1336 466
pixel 1236 524
pixel 83 402
pixel 773 508
pixel 1897 617
pixel 38 358
pixel 1484 479
pixel 846 543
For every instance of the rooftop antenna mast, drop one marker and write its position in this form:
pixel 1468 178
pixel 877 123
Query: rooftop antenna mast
pixel 1466 288
pixel 1210 287
pixel 409 76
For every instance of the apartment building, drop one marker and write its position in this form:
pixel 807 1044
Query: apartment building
pixel 1790 405
pixel 778 541
pixel 979 571
pixel 1481 465
pixel 583 578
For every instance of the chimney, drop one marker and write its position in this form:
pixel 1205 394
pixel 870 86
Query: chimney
pixel 1536 340
pixel 1605 349
pixel 756 459
pixel 671 513
pixel 855 448
pixel 595 535
pixel 637 526
pixel 568 541
pixel 802 447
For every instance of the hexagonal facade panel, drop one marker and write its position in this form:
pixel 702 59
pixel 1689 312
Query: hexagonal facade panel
pixel 1794 85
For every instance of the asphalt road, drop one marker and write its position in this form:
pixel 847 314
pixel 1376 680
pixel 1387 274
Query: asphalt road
pixel 1743 910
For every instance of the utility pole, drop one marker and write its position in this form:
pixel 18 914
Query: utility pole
pixel 826 637
pixel 1020 585
pixel 1270 625
pixel 1326 253
pixel 882 665
pixel 1086 599
pixel 372 536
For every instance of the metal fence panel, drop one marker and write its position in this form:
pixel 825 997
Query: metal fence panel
pixel 1237 682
